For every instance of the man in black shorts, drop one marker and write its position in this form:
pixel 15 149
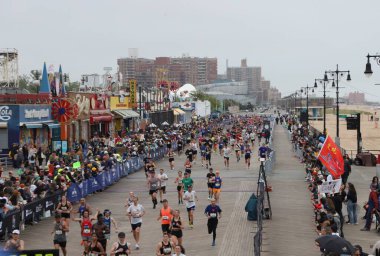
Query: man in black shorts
pixel 60 229
pixel 210 182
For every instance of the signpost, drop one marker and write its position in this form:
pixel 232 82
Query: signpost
pixel 353 123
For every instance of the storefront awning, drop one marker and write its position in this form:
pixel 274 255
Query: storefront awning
pixel 126 113
pixel 100 118
pixel 53 125
pixel 178 111
pixel 31 125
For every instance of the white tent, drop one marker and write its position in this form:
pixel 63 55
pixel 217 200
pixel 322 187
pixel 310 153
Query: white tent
pixel 185 91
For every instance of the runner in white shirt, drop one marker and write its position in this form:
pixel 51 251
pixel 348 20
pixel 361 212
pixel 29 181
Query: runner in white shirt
pixel 163 178
pixel 135 212
pixel 190 197
pixel 226 154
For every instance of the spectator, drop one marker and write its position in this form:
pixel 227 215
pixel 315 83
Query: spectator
pixel 352 205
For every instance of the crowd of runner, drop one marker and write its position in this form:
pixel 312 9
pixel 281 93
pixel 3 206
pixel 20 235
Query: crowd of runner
pixel 228 136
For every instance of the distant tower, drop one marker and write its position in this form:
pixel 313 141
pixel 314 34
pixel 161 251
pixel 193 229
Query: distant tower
pixel 9 68
pixel 133 53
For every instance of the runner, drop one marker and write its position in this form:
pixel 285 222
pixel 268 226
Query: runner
pixel 95 247
pixel 135 213
pixel 171 159
pixel 82 207
pixel 226 154
pixel 203 153
pixel 86 226
pixel 208 156
pixel 217 186
pixel 121 247
pixel 253 137
pixel 263 151
pixel 176 228
pixel 210 182
pixel 194 148
pixel 221 146
pixel 101 229
pixel 213 213
pixel 179 183
pixel 190 197
pixel 187 181
pixel 179 251
pixel 107 221
pixel 166 214
pixel 154 186
pixel 189 154
pixel 163 177
pixel 64 208
pixel 237 151
pixel 14 244
pixel 180 146
pixel 188 166
pixel 130 199
pixel 165 247
pixel 59 231
pixel 247 156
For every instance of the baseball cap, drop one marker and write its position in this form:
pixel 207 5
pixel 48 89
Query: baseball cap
pixel 16 231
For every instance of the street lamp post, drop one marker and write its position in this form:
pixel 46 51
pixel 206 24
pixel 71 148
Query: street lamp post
pixel 324 99
pixel 368 69
pixel 335 74
pixel 307 101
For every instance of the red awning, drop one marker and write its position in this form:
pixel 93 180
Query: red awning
pixel 100 118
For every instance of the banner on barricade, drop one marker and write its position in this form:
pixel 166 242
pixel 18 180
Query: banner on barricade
pixel 28 211
pixel 42 252
pixel 330 187
pixel 51 202
pixel 74 193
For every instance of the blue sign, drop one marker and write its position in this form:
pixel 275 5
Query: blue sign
pixel 10 114
pixel 35 113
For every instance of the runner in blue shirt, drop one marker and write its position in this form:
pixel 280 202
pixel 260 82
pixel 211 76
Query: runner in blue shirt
pixel 263 151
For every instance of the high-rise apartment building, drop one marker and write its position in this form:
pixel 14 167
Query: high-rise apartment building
pixel 149 72
pixel 252 75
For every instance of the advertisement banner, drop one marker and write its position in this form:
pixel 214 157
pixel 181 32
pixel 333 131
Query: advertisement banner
pixel 50 203
pixel 42 252
pixel 74 193
pixel 28 212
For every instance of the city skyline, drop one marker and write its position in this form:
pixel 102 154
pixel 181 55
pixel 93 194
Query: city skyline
pixel 293 42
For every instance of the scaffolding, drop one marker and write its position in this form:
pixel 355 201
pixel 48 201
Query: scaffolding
pixel 9 67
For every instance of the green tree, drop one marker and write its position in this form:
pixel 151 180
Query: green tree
pixel 26 82
pixel 73 86
pixel 198 95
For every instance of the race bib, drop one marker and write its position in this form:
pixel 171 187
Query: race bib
pixel 217 184
pixel 213 215
pixel 58 232
pixel 154 185
pixel 165 218
pixel 167 250
pixel 86 230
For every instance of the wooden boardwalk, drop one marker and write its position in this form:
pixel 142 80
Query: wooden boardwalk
pixel 290 232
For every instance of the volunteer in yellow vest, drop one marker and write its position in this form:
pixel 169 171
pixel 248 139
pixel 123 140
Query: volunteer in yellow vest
pixel 166 215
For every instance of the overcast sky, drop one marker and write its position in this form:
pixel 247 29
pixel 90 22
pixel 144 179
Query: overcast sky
pixel 294 41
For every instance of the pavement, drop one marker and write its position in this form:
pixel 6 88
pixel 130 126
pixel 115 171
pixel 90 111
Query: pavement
pixel 234 233
pixel 290 232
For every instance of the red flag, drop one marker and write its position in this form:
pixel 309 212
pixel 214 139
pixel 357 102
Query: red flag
pixel 332 158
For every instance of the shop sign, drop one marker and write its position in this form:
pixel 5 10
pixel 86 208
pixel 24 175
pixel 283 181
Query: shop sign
pixel 36 113
pixel 116 102
pixel 132 90
pixel 5 113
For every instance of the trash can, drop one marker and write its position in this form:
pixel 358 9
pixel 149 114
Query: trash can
pixel 251 207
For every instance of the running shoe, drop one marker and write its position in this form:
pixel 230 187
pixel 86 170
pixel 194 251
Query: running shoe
pixel 213 243
pixel 137 247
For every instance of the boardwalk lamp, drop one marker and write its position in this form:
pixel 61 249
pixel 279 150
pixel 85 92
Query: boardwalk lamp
pixel 368 68
pixel 336 75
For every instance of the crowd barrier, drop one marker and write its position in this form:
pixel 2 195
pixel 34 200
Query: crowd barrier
pixel 268 168
pixel 35 210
